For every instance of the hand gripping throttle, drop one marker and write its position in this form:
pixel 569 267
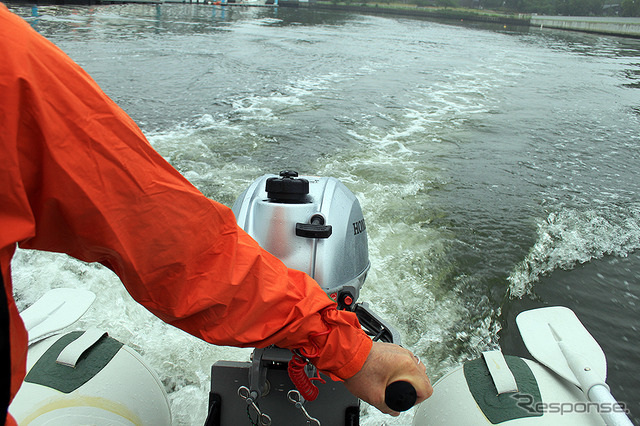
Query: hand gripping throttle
pixel 400 396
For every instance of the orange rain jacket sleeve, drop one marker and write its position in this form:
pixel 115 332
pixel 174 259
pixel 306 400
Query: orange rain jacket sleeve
pixel 78 176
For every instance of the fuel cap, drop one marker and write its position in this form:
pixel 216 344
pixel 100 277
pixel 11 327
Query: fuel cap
pixel 287 188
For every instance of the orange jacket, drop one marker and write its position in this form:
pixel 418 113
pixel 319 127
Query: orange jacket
pixel 78 176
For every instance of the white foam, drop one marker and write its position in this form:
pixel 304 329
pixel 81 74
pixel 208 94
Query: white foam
pixel 573 236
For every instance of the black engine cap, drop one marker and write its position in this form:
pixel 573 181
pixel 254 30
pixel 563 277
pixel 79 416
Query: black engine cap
pixel 287 189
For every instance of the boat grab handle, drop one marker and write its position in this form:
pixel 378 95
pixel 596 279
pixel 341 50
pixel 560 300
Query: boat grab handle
pixel 500 373
pixel 70 355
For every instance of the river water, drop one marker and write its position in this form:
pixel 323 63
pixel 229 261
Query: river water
pixel 497 167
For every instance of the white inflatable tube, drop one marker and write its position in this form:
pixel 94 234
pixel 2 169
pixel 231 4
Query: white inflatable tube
pixel 611 411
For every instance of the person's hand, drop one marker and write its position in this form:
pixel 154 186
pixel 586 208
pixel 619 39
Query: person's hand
pixel 388 363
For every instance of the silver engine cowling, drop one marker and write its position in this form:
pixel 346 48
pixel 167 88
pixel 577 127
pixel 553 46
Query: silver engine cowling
pixel 312 224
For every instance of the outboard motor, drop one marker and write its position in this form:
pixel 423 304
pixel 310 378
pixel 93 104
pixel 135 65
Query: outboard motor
pixel 312 224
pixel 315 225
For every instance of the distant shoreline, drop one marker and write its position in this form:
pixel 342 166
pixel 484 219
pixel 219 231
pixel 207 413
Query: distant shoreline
pixel 622 27
pixel 429 12
pixel 615 26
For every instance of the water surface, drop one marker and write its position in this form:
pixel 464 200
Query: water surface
pixel 497 167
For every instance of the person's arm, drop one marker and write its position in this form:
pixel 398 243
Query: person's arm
pixel 84 181
pixel 91 186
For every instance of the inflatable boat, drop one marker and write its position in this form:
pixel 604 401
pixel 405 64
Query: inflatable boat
pixel 314 224
pixel 83 377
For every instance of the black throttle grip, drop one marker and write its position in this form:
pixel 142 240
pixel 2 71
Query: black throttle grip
pixel 400 396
